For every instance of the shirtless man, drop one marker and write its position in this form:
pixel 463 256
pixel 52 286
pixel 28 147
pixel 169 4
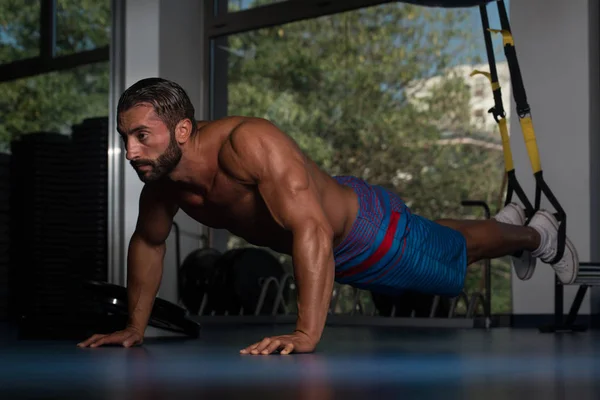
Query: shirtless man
pixel 244 175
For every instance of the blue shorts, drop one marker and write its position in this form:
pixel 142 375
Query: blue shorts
pixel 390 250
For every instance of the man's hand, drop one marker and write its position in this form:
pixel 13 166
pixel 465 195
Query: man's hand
pixel 297 342
pixel 128 337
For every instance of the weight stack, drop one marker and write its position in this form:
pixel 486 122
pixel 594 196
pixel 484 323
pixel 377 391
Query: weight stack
pixel 40 204
pixel 4 233
pixel 90 177
pixel 89 219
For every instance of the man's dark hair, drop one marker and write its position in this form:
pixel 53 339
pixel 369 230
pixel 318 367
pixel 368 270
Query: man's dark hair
pixel 170 102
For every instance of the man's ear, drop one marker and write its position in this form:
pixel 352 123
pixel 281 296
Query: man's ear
pixel 183 130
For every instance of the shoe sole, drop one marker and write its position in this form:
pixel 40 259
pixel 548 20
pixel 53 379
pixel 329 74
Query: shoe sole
pixel 568 245
pixel 524 266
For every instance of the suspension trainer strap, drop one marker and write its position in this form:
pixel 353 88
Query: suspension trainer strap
pixel 499 115
pixel 524 114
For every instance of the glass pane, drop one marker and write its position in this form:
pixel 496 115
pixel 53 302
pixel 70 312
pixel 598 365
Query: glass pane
pixel 53 102
pixel 82 25
pixel 382 93
pixel 19 30
pixel 239 5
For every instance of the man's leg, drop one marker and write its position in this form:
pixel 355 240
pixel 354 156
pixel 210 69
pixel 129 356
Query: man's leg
pixel 493 239
pixel 523 263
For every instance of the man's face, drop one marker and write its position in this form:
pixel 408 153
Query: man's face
pixel 151 149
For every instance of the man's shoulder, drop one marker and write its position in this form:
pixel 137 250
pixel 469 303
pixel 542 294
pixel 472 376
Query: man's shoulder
pixel 223 123
pixel 232 123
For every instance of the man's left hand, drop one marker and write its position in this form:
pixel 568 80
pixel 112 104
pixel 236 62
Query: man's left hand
pixel 297 342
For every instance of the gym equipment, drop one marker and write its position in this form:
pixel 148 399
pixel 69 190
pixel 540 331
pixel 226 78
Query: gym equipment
pixel 250 268
pixel 41 279
pixel 589 275
pixel 235 283
pixel 412 304
pixel 196 277
pixel 89 177
pixel 58 225
pixel 525 120
pixel 108 303
pixel 589 272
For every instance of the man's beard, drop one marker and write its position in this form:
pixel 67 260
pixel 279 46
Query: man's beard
pixel 160 167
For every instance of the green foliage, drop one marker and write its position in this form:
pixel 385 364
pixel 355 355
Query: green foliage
pixel 354 90
pixel 345 86
pixel 57 100
pixel 82 25
pixel 19 29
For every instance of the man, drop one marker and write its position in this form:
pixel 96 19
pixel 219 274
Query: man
pixel 245 175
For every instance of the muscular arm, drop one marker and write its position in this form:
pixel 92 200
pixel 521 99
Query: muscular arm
pixel 258 153
pixel 146 254
pixel 145 265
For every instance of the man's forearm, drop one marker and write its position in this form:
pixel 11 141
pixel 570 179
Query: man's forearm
pixel 144 274
pixel 314 267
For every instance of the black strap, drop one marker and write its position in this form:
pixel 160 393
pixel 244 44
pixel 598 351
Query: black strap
pixel 518 88
pixel 524 113
pixel 498 112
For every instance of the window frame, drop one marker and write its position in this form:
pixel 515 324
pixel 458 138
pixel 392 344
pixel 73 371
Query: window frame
pixel 47 61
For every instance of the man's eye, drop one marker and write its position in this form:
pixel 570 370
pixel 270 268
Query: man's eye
pixel 142 136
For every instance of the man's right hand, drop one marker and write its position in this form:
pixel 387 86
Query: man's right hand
pixel 128 337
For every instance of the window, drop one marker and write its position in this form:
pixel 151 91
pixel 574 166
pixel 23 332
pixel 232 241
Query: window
pixel 239 5
pixel 19 30
pixel 82 28
pixel 53 102
pixel 382 93
pixel 48 96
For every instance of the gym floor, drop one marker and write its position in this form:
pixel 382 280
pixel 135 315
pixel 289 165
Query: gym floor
pixel 351 362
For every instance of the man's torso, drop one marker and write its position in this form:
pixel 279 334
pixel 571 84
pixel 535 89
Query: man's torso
pixel 239 207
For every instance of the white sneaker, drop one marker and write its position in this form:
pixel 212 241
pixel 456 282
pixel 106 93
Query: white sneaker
pixel 568 266
pixel 514 214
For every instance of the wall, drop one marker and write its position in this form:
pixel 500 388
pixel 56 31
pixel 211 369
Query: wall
pixel 553 39
pixel 161 38
pixel 557 46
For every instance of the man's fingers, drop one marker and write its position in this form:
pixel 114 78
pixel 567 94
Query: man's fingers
pixel 261 346
pixel 91 340
pixel 270 345
pixel 100 342
pixel 249 348
pixel 274 345
pixel 288 348
pixel 111 339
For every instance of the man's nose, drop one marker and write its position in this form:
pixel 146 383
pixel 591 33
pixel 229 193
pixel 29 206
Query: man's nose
pixel 132 151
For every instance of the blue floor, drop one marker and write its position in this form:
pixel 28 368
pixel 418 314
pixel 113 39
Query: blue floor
pixel 351 362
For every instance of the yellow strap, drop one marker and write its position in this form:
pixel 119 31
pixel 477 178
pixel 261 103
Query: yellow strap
pixel 508 159
pixel 507 37
pixel 484 73
pixel 495 85
pixel 531 144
